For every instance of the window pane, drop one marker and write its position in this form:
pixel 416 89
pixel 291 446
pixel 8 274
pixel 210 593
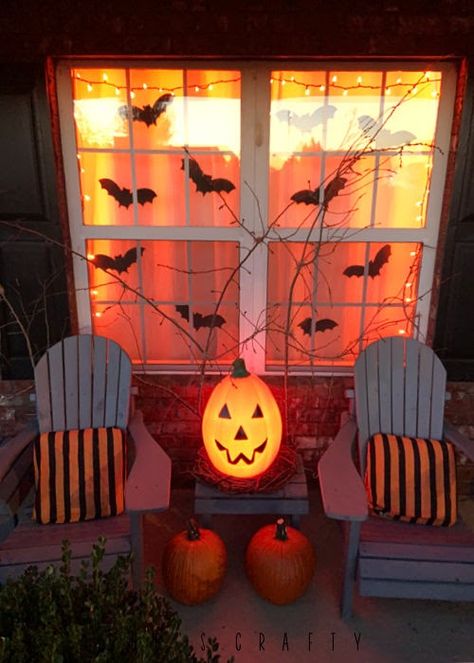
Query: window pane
pixel 189 306
pixel 181 163
pixel 372 131
pixel 342 294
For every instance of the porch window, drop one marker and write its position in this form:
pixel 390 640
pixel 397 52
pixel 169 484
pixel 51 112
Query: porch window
pixel 287 215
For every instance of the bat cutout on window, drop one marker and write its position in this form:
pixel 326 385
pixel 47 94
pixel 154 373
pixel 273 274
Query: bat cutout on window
pixel 147 114
pixel 120 263
pixel 383 137
pixel 200 320
pixel 320 326
pixel 124 196
pixel 206 183
pixel 375 265
pixel 307 121
pixel 311 197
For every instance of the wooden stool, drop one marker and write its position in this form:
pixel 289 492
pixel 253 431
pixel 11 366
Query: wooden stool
pixel 291 500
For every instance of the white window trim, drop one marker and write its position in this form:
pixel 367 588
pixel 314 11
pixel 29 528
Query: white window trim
pixel 255 137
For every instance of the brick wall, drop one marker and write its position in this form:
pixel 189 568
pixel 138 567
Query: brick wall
pixel 241 28
pixel 171 407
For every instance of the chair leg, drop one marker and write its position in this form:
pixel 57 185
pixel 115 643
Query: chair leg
pixel 136 519
pixel 350 562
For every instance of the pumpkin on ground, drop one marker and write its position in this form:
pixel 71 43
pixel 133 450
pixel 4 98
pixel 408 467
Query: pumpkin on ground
pixel 194 564
pixel 280 563
pixel 241 424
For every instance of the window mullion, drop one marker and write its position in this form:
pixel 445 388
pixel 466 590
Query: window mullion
pixel 255 128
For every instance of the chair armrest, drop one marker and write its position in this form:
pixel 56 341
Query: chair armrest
pixel 13 448
pixel 342 490
pixel 459 440
pixel 148 484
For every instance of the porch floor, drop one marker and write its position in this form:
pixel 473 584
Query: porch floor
pixel 388 630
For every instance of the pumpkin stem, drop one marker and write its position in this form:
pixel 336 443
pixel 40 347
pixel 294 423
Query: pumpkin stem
pixel 281 534
pixel 239 370
pixel 193 530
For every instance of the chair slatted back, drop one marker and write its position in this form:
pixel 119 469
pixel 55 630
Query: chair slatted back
pixel 83 382
pixel 400 387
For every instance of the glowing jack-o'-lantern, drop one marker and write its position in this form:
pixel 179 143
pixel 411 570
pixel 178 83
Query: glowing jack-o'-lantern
pixel 241 425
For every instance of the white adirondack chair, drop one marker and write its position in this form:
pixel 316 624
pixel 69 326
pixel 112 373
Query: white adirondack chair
pixel 81 382
pixel 399 389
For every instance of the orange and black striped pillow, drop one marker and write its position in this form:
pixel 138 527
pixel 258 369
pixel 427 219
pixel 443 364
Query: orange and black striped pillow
pixel 79 475
pixel 411 479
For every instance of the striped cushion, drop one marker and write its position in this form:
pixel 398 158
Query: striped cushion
pixel 411 479
pixel 79 475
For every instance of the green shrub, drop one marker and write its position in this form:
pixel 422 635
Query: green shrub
pixel 55 617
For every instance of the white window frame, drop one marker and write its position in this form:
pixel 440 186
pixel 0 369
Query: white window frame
pixel 254 169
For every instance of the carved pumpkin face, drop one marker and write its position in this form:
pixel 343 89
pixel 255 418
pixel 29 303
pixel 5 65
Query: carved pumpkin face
pixel 241 425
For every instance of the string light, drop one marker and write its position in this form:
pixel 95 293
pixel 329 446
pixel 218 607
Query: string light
pixel 132 94
pixel 87 197
pixel 307 91
pixel 413 87
pixel 98 314
pixel 90 256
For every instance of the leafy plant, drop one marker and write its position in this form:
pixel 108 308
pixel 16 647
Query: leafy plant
pixel 53 616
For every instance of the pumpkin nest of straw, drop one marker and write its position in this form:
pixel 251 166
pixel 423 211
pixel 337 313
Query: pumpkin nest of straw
pixel 275 477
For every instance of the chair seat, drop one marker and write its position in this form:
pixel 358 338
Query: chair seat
pixel 415 561
pixel 389 532
pixel 33 544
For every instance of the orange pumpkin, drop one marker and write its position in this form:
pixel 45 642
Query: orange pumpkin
pixel 241 425
pixel 194 564
pixel 280 563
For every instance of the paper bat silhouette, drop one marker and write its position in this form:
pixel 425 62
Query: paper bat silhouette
pixel 200 320
pixel 124 196
pixel 320 325
pixel 120 263
pixel 375 265
pixel 206 183
pixel 147 114
pixel 383 137
pixel 311 197
pixel 307 121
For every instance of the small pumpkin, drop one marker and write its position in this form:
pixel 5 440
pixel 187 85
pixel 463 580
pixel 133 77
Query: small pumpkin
pixel 194 564
pixel 280 562
pixel 241 424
